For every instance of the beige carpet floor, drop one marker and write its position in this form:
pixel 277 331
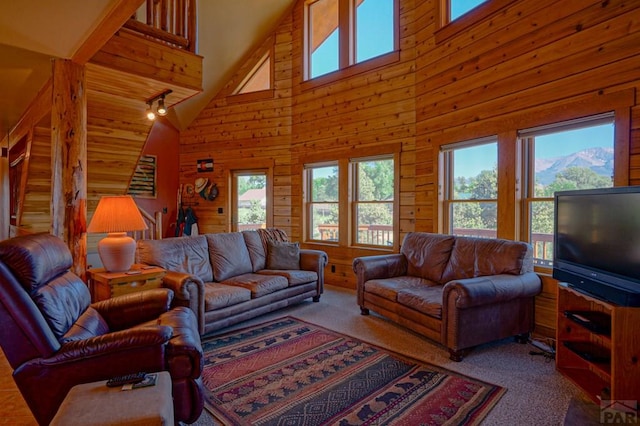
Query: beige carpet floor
pixel 536 393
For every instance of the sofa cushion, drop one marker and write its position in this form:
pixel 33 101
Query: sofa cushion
pixel 188 255
pixel 427 254
pixel 478 257
pixel 295 277
pixel 256 249
pixel 229 255
pixel 283 255
pixel 218 296
pixel 388 288
pixel 258 284
pixel 425 299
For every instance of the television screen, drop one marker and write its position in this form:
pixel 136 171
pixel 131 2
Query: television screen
pixel 597 241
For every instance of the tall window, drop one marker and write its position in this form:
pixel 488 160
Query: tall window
pixel 458 8
pixel 322 202
pixel 365 217
pixel 571 155
pixel 249 199
pixel 373 197
pixel 470 188
pixel 341 33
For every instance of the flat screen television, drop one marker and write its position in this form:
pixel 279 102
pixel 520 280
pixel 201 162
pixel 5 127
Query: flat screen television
pixel 597 242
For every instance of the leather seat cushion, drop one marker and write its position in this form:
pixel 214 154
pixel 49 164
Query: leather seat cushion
pixel 388 288
pixel 294 277
pixel 425 299
pixel 217 296
pixel 259 285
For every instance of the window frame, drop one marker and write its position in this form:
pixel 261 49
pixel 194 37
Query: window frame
pixel 347 218
pixel 346 45
pixel 526 144
pixel 447 181
pixel 354 165
pixel 445 28
pixel 309 203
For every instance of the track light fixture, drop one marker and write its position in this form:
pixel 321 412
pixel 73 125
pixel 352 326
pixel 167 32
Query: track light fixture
pixel 161 110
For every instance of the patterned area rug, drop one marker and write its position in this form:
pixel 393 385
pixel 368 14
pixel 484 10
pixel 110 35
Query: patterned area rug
pixel 289 372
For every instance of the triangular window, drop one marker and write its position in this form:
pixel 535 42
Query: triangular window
pixel 258 79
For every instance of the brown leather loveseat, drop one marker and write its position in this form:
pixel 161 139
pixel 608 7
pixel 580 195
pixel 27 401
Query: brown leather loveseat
pixel 54 338
pixel 458 291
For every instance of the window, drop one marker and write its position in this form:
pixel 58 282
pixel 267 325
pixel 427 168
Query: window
pixel 341 33
pixel 373 196
pixel 323 209
pixel 258 79
pixel 571 155
pixel 365 217
pixel 470 188
pixel 457 8
pixel 249 199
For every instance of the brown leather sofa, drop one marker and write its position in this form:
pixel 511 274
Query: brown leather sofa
pixel 225 278
pixel 458 291
pixel 54 339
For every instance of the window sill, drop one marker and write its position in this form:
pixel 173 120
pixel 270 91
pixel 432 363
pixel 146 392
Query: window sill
pixel 469 19
pixel 251 96
pixel 359 68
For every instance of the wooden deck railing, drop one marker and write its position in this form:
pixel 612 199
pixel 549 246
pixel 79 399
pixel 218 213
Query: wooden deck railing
pixel 542 243
pixel 383 235
pixel 169 21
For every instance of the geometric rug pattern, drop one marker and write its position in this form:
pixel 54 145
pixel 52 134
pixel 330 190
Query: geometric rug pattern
pixel 290 372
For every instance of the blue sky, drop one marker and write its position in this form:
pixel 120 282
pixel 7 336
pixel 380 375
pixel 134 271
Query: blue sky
pixel 558 144
pixel 460 7
pixel 375 15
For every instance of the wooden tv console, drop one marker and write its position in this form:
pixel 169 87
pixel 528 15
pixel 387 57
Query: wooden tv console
pixel 598 346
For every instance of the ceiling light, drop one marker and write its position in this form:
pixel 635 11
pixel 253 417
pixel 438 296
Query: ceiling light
pixel 161 110
pixel 150 114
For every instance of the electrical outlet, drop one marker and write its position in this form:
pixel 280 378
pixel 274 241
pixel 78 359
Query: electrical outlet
pixel 333 268
pixel 220 210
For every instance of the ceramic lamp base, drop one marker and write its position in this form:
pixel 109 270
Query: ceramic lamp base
pixel 117 251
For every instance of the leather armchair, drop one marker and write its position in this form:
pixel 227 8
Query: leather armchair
pixel 54 338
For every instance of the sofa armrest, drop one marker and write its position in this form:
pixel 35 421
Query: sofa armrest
pixel 125 311
pixel 469 292
pixel 188 291
pixel 316 261
pixel 376 267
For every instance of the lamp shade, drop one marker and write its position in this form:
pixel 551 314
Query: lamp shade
pixel 117 215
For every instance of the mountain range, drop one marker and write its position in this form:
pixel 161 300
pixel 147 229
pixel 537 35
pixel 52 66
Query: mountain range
pixel 600 160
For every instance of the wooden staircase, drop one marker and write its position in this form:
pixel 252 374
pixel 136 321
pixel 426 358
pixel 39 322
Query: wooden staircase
pixel 119 79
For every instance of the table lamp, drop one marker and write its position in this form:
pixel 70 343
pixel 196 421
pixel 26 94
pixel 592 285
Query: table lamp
pixel 117 215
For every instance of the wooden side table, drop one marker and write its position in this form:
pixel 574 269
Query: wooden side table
pixel 104 285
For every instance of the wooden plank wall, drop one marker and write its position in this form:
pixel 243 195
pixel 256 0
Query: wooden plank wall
pixel 531 61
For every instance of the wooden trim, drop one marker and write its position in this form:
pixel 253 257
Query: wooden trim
pixel 251 96
pixel 464 22
pixel 119 13
pixel 580 106
pixel 157 33
pixel 359 68
pixel 508 178
pixel 332 156
pixel 622 142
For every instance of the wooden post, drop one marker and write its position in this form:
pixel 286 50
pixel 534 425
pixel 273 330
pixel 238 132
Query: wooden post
pixel 69 160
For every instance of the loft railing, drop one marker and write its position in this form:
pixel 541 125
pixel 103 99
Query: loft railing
pixel 169 21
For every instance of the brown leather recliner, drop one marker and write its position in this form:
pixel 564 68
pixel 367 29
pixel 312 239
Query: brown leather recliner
pixel 54 338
